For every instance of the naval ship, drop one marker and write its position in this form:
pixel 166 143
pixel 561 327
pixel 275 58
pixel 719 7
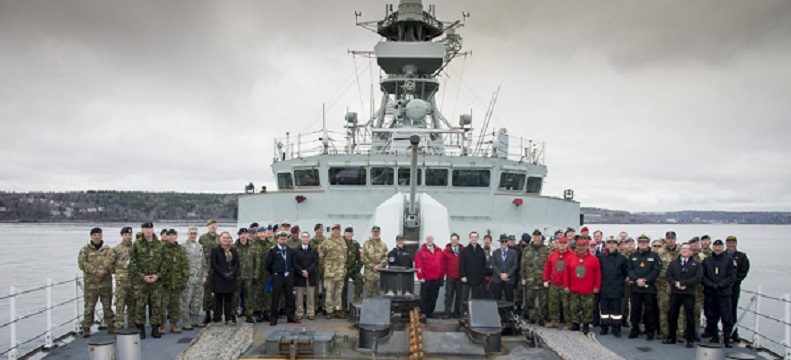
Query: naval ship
pixel 411 171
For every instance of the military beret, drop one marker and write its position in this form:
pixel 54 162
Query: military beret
pixel 253 226
pixel 612 239
pixel 705 237
pixel 163 232
pixel 295 229
pixel 126 230
pixel 584 229
pixel 192 230
pixel 270 227
pixel 348 229
pixel 211 221
pixel 242 231
pixel 96 231
pixel 511 237
pixel 282 234
pixel 537 232
pixel 670 234
pixel 376 228
pixel 336 226
pixel 147 225
pixel 261 229
pixel 399 237
pixel 717 242
pixel 643 238
pixel 252 230
pixel 693 240
pixel 318 226
pixel 563 240
pixel 730 238
pixel 525 236
pixel 503 237
pixel 172 232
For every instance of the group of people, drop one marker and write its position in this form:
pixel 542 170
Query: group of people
pixel 269 271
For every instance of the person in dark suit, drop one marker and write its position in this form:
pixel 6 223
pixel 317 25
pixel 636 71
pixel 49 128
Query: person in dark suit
pixel 683 275
pixel 472 268
pixel 305 281
pixel 225 267
pixel 504 268
pixel 281 264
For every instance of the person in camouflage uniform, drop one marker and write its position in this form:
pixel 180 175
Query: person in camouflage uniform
pixel 261 300
pixel 208 241
pixel 667 254
pixel 124 292
pixel 699 296
pixel 96 262
pixel 145 268
pixel 175 273
pixel 534 259
pixel 317 239
pixel 249 259
pixel 332 256
pixel 293 240
pixel 353 266
pixel 554 274
pixel 705 245
pixel 192 296
pixel 627 293
pixel 374 257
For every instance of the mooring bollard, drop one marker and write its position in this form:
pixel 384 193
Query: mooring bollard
pixel 101 347
pixel 709 351
pixel 128 344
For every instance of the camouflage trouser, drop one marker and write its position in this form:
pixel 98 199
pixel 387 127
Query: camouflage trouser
pixel 536 312
pixel 372 285
pixel 94 293
pixel 627 294
pixel 357 280
pixel 663 303
pixel 148 295
pixel 519 294
pixel 171 306
pixel 319 288
pixel 208 296
pixel 124 300
pixel 249 297
pixel 698 308
pixel 558 299
pixel 581 308
pixel 332 295
pixel 191 299
pixel 262 299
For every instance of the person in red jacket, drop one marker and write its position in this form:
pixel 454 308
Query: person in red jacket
pixel 554 270
pixel 452 279
pixel 430 265
pixel 582 281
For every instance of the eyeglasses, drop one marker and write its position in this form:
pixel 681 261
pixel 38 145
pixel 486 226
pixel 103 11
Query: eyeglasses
pixel 656 246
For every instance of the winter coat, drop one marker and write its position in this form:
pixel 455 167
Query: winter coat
pixel 644 265
pixel 224 274
pixel 430 265
pixel 719 274
pixel 306 260
pixel 689 275
pixel 452 261
pixel 583 274
pixel 614 272
pixel 472 265
pixel 555 268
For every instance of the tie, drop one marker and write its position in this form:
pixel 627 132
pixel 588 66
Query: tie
pixel 504 254
pixel 683 262
pixel 305 248
pixel 456 251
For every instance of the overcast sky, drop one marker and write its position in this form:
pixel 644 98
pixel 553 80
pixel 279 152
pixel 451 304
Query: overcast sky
pixel 643 105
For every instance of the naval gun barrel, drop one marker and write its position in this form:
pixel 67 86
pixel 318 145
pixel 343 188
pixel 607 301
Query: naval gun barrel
pixel 414 140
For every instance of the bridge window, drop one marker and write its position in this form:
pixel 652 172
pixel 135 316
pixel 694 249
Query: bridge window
pixel 534 185
pixel 471 178
pixel 307 177
pixel 437 177
pixel 382 176
pixel 512 181
pixel 347 176
pixel 403 176
pixel 285 181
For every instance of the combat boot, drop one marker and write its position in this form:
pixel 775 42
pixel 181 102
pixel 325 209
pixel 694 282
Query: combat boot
pixel 634 333
pixel 196 323
pixel 187 327
pixel 552 324
pixel 207 319
pixel 175 329
pixel 604 329
pixel 250 320
pixel 649 335
pixel 142 329
pixel 111 329
pixel 162 329
pixel 86 331
pixel 616 330
pixel 575 327
pixel 155 331
pixel 586 328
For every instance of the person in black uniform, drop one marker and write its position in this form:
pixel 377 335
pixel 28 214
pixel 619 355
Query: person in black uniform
pixel 683 274
pixel 472 270
pixel 719 274
pixel 742 268
pixel 281 263
pixel 614 271
pixel 643 270
pixel 399 256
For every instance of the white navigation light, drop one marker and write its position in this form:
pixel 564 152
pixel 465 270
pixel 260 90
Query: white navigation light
pixel 417 109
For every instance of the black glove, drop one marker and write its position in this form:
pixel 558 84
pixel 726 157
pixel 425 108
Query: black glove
pixel 228 276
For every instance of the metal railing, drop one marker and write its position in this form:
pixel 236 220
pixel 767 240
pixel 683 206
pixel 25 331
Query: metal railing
pixel 15 345
pixel 754 307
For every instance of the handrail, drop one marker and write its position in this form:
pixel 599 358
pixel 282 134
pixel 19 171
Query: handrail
pixel 12 351
pixel 754 308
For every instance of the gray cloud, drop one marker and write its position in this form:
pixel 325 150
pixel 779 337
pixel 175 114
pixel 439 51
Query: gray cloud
pixel 643 105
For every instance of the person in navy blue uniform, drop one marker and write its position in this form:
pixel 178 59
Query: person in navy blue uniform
pixel 742 268
pixel 719 275
pixel 683 274
pixel 643 271
pixel 614 270
pixel 281 264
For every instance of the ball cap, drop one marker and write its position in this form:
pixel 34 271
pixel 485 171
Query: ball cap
pixel 336 226
pixel 717 242
pixel 670 234
pixel 730 238
pixel 563 240
pixel 537 232
pixel 96 231
pixel 582 242
pixel 192 230
pixel 399 237
pixel 126 230
pixel 147 225
pixel 584 229
pixel 211 221
pixel 694 240
pixel 643 238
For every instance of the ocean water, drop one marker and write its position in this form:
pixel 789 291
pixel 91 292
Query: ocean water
pixel 34 252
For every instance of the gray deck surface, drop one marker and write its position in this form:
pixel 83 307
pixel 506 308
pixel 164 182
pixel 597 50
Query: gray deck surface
pixel 165 348
pixel 642 349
